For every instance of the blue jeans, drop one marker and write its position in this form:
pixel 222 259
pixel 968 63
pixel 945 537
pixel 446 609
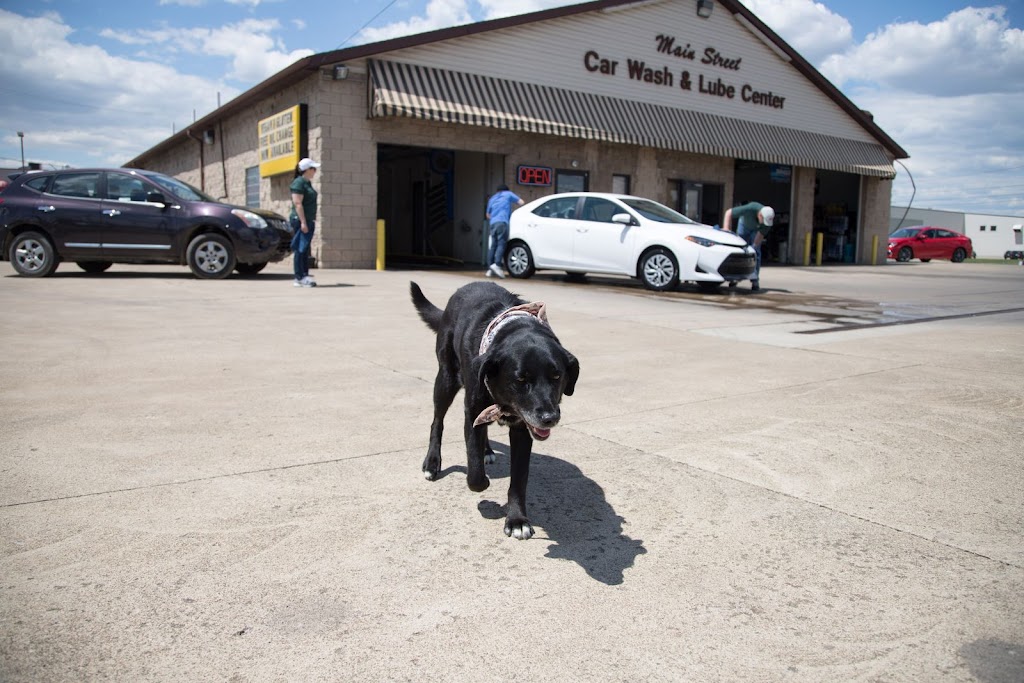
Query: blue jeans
pixel 749 236
pixel 499 238
pixel 301 242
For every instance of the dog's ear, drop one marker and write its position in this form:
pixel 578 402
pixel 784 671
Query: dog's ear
pixel 572 373
pixel 489 367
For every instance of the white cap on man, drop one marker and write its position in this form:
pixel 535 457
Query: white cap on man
pixel 768 216
pixel 307 164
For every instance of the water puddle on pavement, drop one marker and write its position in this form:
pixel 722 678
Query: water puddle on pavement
pixel 824 313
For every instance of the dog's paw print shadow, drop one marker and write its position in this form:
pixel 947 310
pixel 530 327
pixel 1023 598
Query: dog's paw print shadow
pixel 574 512
pixel 491 510
pixel 449 470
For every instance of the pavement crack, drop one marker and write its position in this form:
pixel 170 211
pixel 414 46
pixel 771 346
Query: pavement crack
pixel 195 480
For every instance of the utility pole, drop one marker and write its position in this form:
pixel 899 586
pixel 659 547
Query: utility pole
pixel 21 136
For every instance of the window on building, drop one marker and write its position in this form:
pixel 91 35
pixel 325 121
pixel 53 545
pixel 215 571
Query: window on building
pixel 252 187
pixel 620 184
pixel 983 228
pixel 571 181
pixel 992 229
pixel 701 202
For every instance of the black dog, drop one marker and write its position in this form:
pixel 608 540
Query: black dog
pixel 514 370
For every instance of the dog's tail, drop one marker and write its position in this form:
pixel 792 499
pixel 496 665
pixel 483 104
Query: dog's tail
pixel 430 313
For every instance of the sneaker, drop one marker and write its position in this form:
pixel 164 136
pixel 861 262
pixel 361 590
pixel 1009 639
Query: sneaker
pixel 303 283
pixel 496 270
pixel 488 273
pixel 308 281
pixel 755 286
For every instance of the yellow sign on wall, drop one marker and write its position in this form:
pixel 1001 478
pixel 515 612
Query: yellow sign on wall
pixel 280 142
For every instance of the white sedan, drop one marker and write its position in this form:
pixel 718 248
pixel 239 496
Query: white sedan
pixel 591 232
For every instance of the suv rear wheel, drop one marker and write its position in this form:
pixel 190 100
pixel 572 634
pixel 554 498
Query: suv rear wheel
pixel 32 255
pixel 211 256
pixel 94 267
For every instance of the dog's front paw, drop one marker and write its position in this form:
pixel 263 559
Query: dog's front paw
pixel 478 484
pixel 431 467
pixel 519 529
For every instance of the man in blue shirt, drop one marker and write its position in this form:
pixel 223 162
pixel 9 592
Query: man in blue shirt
pixel 499 210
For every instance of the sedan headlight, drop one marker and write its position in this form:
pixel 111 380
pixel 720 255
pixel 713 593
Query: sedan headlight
pixel 251 219
pixel 703 241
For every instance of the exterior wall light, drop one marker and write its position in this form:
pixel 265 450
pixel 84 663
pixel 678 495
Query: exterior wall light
pixel 705 8
pixel 340 72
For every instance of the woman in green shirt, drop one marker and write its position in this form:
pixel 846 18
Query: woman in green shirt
pixel 303 219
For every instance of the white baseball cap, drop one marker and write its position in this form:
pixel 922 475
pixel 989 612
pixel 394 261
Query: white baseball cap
pixel 308 163
pixel 767 215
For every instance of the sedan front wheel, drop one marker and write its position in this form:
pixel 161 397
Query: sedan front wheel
pixel 659 270
pixel 904 255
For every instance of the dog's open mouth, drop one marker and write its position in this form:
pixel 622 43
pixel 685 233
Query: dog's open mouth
pixel 537 432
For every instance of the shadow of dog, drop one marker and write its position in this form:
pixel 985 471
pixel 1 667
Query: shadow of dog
pixel 572 509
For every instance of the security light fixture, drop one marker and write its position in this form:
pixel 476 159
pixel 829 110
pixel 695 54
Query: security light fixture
pixel 705 8
pixel 340 72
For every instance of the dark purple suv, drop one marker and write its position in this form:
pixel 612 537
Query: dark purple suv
pixel 98 217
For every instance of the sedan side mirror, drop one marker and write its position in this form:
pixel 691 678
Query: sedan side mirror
pixel 623 218
pixel 156 198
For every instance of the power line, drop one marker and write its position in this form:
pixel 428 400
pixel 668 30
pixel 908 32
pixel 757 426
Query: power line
pixel 359 30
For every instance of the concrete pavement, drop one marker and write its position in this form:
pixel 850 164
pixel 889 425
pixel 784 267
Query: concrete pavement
pixel 221 481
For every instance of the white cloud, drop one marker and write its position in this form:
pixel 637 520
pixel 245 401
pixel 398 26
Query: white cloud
pixel 494 9
pixel 439 14
pixel 811 28
pixel 254 53
pixel 972 51
pixel 92 106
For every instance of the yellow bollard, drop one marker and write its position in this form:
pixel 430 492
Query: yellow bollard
pixel 874 250
pixel 817 251
pixel 380 244
pixel 807 249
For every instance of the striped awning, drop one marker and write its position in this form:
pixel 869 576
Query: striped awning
pixel 399 89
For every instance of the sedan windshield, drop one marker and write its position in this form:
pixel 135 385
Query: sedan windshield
pixel 906 232
pixel 179 189
pixel 653 211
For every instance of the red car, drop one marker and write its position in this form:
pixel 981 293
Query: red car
pixel 926 243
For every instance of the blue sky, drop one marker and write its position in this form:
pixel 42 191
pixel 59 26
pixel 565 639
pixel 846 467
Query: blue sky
pixel 97 83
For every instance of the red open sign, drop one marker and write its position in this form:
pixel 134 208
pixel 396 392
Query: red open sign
pixel 534 175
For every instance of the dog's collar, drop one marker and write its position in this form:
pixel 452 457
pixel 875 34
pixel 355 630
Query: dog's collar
pixel 532 310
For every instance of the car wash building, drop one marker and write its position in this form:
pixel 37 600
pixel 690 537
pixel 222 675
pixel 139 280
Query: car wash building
pixel 693 103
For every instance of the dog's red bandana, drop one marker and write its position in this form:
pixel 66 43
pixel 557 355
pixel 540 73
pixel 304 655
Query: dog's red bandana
pixel 532 310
